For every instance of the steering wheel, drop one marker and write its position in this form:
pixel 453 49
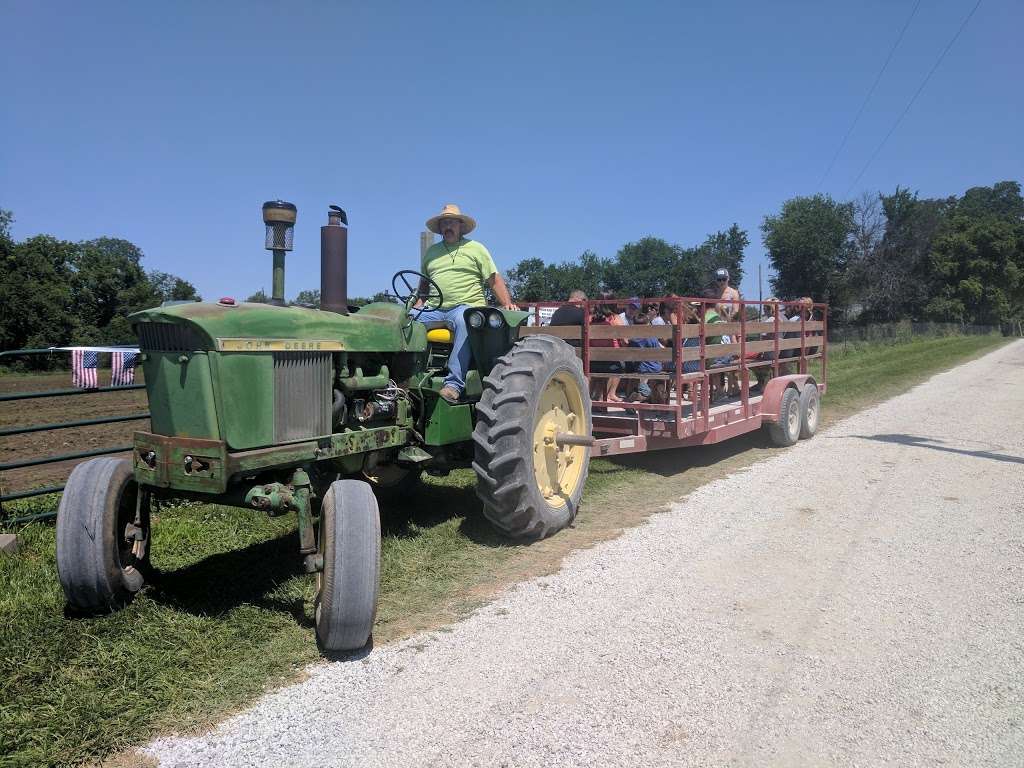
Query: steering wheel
pixel 432 298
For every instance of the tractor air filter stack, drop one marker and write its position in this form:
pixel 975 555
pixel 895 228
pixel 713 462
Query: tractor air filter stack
pixel 334 262
pixel 279 217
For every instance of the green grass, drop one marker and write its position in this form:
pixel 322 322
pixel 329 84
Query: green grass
pixel 229 613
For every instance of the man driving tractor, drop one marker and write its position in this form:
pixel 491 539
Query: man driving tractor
pixel 460 268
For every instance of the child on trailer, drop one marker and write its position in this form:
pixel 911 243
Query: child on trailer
pixel 655 392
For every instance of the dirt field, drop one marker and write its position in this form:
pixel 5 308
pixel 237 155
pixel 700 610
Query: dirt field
pixel 57 409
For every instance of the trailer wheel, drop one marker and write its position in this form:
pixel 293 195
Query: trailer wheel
pixel 99 568
pixel 346 599
pixel 529 485
pixel 810 410
pixel 786 431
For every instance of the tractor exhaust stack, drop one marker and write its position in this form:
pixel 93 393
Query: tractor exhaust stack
pixel 334 262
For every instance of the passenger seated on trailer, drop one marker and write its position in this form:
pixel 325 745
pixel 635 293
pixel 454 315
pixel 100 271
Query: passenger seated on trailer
pixel 711 316
pixel 806 311
pixel 604 389
pixel 769 311
pixel 653 393
pixel 570 314
pixel 802 309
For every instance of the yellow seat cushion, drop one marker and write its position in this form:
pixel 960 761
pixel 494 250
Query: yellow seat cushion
pixel 439 336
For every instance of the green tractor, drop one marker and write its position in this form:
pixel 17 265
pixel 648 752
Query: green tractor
pixel 321 412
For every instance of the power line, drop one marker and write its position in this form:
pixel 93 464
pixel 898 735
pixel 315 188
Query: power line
pixel 913 98
pixel 867 98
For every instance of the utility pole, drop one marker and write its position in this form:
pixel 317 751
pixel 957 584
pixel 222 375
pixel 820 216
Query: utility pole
pixel 426 240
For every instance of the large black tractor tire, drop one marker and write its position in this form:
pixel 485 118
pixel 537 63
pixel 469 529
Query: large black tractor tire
pixel 786 431
pixel 810 410
pixel 531 487
pixel 346 600
pixel 99 569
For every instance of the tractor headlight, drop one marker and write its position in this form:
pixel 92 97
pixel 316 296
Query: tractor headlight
pixel 495 320
pixel 476 319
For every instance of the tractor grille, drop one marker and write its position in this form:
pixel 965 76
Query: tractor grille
pixel 302 395
pixel 167 337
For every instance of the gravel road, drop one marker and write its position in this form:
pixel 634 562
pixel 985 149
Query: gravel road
pixel 855 600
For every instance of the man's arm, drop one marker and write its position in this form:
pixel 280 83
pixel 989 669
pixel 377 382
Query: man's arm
pixel 497 284
pixel 421 292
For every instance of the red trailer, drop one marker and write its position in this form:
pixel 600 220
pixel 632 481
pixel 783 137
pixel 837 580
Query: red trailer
pixel 778 361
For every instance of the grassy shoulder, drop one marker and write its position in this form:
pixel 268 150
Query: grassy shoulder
pixel 230 612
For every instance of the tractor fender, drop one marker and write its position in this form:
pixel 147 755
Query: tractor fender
pixel 774 389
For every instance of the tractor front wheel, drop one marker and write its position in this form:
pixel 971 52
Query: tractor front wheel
pixel 346 599
pixel 530 482
pixel 101 552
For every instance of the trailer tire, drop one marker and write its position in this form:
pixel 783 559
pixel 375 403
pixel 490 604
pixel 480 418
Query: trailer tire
pixel 97 567
pixel 810 410
pixel 529 486
pixel 786 431
pixel 346 601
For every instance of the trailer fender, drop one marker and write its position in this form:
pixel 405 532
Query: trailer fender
pixel 772 399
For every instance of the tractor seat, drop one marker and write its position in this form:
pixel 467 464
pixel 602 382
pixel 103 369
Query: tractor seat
pixel 439 332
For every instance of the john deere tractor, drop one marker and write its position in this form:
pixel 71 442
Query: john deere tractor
pixel 287 409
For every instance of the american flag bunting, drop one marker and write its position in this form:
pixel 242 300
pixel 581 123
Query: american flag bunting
pixel 83 369
pixel 122 368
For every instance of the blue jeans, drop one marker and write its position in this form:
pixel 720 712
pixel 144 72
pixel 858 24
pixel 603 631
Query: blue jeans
pixel 458 360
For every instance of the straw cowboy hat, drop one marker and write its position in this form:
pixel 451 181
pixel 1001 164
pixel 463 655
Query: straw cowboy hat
pixel 451 211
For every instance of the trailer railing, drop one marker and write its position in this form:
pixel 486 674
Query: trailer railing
pixel 60 457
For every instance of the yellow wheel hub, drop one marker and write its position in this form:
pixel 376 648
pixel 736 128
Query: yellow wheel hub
pixel 558 469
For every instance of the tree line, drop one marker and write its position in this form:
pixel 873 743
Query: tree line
pixel 56 292
pixel 880 258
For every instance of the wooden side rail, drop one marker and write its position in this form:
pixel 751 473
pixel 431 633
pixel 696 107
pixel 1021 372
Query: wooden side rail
pixel 664 332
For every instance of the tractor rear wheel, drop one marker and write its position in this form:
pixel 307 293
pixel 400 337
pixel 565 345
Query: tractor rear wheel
pixel 101 553
pixel 529 484
pixel 786 431
pixel 346 599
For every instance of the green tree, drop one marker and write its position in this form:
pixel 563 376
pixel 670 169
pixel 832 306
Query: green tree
pixel 308 298
pixel 172 288
pixel 978 257
pixel 260 297
pixel 108 284
pixel 810 243
pixel 35 291
pixel 379 296
pixel 526 281
pixel 645 268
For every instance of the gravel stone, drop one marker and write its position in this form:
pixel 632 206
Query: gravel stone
pixel 853 600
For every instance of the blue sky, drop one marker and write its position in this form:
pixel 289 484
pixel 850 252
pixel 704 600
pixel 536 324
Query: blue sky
pixel 561 126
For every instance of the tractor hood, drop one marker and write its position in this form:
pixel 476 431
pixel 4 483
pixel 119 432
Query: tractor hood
pixel 244 327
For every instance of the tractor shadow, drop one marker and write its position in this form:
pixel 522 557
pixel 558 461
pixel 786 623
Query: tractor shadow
pixel 429 505
pixel 249 575
pixel 258 574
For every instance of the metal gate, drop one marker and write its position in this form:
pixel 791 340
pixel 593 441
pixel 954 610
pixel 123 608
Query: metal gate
pixel 55 458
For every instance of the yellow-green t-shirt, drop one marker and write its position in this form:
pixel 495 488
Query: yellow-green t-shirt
pixel 460 271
